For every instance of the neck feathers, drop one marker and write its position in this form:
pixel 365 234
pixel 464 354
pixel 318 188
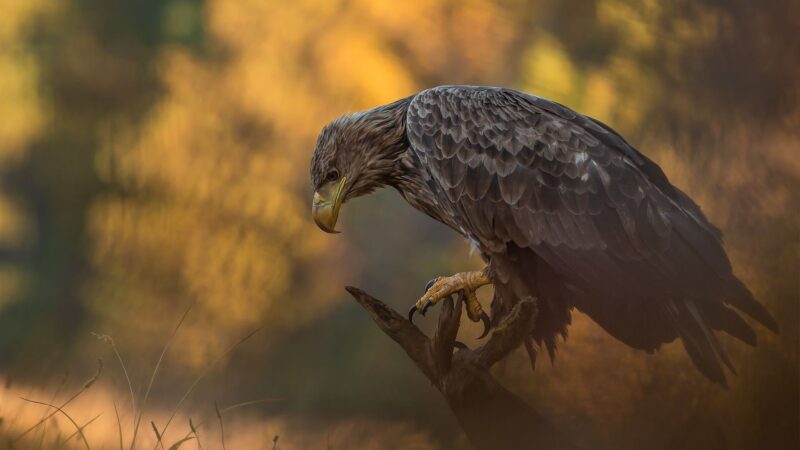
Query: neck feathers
pixel 382 131
pixel 386 126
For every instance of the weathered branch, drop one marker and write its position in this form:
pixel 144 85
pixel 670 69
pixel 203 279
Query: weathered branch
pixel 445 337
pixel 490 415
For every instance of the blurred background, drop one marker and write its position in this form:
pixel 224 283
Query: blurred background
pixel 154 159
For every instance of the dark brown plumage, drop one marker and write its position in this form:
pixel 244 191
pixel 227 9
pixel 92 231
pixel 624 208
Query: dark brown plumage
pixel 562 208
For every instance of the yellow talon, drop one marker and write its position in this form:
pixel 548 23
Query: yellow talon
pixel 443 287
pixel 474 309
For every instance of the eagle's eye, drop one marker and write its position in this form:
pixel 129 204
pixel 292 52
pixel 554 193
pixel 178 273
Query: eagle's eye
pixel 332 175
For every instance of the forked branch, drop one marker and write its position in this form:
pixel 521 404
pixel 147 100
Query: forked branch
pixel 490 415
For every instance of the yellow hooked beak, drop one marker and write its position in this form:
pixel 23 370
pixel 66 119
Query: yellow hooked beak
pixel 327 202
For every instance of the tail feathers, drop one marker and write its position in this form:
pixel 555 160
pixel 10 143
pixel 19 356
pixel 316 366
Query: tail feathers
pixel 720 317
pixel 701 344
pixel 741 297
pixel 695 323
pixel 529 347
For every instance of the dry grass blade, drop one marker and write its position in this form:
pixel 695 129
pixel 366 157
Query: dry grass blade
pixel 138 419
pixel 83 427
pixel 204 373
pixel 178 444
pixel 109 340
pixel 194 431
pixel 158 436
pixel 86 386
pixel 248 403
pixel 58 409
pixel 119 426
pixel 221 425
pixel 56 393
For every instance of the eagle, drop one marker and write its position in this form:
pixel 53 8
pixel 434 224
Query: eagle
pixel 562 209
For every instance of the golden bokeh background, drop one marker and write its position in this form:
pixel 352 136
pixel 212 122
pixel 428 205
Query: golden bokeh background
pixel 154 157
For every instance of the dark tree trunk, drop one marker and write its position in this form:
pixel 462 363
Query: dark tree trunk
pixel 491 416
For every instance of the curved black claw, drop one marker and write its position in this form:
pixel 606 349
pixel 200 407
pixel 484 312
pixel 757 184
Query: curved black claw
pixel 422 311
pixel 487 325
pixel 425 307
pixel 411 313
pixel 429 285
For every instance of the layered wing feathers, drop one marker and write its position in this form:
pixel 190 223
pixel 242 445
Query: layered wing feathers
pixel 518 169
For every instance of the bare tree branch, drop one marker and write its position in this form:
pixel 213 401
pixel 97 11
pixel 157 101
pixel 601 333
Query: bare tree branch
pixel 491 416
pixel 446 331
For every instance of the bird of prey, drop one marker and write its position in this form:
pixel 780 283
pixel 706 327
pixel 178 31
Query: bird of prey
pixel 562 209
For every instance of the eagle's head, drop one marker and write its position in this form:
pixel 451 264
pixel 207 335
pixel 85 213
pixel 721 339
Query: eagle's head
pixel 356 154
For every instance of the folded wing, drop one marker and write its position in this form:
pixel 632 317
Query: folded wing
pixel 645 262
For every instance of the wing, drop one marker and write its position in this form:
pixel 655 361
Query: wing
pixel 518 169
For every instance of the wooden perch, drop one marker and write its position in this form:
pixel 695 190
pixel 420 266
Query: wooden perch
pixel 490 415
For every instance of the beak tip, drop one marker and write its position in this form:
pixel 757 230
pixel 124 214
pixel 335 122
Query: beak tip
pixel 329 230
pixel 325 206
pixel 324 227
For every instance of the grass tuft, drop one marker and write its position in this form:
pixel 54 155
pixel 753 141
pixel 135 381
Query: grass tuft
pixel 138 419
pixel 59 409
pixel 83 427
pixel 85 387
pixel 137 404
pixel 205 372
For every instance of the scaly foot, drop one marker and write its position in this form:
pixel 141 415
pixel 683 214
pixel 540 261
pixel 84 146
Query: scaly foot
pixel 442 287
